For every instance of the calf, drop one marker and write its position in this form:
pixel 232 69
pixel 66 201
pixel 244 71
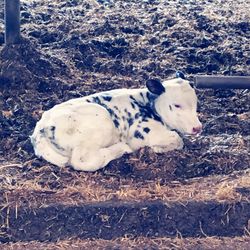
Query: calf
pixel 88 132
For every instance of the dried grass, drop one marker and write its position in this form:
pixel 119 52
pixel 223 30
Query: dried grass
pixel 209 243
pixel 227 193
pixel 86 189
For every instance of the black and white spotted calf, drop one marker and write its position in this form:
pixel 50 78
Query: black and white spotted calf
pixel 87 133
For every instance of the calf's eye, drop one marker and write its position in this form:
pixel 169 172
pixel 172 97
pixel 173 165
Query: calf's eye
pixel 178 106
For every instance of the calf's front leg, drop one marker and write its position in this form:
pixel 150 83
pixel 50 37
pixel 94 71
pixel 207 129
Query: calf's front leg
pixel 156 136
pixel 169 142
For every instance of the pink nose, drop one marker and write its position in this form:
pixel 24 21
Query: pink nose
pixel 197 130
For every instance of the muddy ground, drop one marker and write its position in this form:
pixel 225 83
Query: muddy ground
pixel 74 48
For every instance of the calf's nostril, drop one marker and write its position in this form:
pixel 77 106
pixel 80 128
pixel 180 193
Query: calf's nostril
pixel 197 130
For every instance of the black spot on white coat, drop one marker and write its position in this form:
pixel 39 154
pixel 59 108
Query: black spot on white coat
pixel 132 104
pixel 130 121
pixel 107 98
pixel 138 135
pixel 117 124
pixel 146 130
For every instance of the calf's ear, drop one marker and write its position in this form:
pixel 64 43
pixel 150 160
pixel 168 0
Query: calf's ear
pixel 155 86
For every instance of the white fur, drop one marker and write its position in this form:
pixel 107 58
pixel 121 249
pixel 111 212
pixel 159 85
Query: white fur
pixel 83 134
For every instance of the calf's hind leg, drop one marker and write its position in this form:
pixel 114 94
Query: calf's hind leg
pixel 92 160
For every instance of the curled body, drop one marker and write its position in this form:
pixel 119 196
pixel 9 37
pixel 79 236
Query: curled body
pixel 88 132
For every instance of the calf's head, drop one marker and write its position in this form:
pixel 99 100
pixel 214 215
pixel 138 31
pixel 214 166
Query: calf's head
pixel 176 103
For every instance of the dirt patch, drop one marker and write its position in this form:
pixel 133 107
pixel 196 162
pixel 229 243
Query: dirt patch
pixel 112 220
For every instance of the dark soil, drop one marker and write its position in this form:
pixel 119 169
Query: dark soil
pixel 109 221
pixel 71 49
